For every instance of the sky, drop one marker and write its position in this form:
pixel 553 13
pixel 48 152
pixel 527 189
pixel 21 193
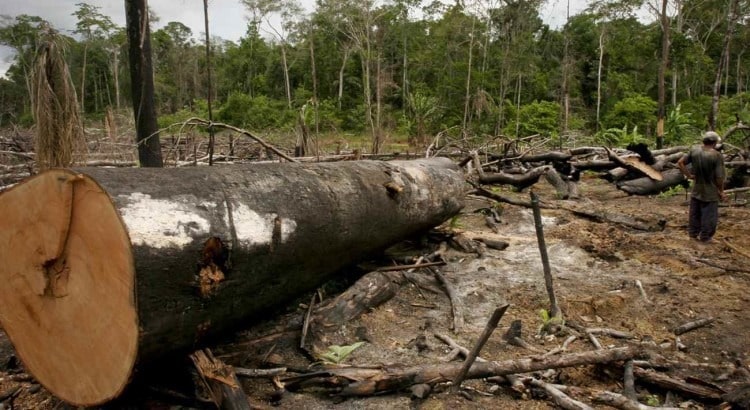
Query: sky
pixel 227 18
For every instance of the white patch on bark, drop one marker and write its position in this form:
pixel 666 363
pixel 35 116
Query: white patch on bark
pixel 162 223
pixel 253 228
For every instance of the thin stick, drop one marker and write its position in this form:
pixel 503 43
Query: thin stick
pixel 639 285
pixel 609 332
pixel 686 327
pixel 453 345
pixel 410 267
pixel 554 309
pixel 306 324
pixel 278 371
pixel 594 340
pixel 456 306
pixel 491 326
pixel 560 398
pixel 200 121
pixel 737 249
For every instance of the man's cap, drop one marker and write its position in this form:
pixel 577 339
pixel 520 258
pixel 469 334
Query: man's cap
pixel 711 137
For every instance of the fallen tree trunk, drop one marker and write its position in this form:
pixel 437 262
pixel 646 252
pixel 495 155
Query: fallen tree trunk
pixel 648 186
pixel 104 267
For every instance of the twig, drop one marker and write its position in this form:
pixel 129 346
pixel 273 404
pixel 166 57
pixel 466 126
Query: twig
pixel 306 324
pixel 609 332
pixel 200 121
pixel 562 348
pixel 594 340
pixel 686 327
pixel 239 371
pixel 736 249
pixel 491 326
pixel 560 398
pixel 410 267
pixel 456 305
pixel 723 267
pixel 639 285
pixel 453 345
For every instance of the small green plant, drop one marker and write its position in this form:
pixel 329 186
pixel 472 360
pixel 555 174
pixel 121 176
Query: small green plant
pixel 550 324
pixel 455 223
pixel 673 191
pixel 336 354
pixel 652 400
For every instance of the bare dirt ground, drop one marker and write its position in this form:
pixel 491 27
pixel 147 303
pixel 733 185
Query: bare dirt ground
pixel 595 266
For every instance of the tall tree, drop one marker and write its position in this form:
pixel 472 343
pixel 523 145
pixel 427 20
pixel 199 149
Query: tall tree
pixel 142 83
pixel 721 64
pixel 22 34
pixel 94 27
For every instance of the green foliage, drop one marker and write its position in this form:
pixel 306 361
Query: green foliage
pixel 679 128
pixel 635 111
pixel 619 137
pixel 336 354
pixel 539 117
pixel 261 112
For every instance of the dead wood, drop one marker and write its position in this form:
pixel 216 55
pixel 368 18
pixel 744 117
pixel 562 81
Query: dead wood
pixel 494 244
pixel 220 380
pixel 642 291
pixel 454 345
pixel 514 337
pixel 724 267
pixel 635 164
pixel 555 313
pixel 560 185
pixel 206 123
pixel 602 216
pixel 628 381
pixel 739 397
pixel 370 291
pixel 621 402
pixel 593 165
pixel 692 325
pixel 519 181
pixel 619 334
pixel 561 399
pixel 562 348
pixel 486 333
pixel 648 186
pixel 358 381
pixel 456 303
pixel 736 248
pixel 255 373
pixel 683 388
pixel 170 257
pixel 410 267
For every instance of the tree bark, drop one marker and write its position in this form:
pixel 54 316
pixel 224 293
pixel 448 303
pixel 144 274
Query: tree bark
pixel 648 186
pixel 103 263
pixel 142 83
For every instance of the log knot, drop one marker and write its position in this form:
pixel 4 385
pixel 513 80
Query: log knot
pixel 213 264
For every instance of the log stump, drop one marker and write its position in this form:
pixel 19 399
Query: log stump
pixel 104 268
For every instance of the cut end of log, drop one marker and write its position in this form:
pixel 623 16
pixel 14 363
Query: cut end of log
pixel 68 301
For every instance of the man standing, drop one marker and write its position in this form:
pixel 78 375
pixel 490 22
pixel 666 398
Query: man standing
pixel 708 186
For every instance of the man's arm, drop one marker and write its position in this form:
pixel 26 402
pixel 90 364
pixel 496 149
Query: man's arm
pixel 682 163
pixel 720 177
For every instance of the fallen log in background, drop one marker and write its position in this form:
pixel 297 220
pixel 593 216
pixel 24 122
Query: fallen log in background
pixel 103 267
pixel 648 186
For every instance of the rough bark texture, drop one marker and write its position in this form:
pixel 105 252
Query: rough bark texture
pixel 142 83
pixel 200 251
pixel 648 186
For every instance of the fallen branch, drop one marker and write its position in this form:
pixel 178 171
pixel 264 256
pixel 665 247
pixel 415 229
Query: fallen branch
pixel 686 389
pixel 253 373
pixel 206 123
pixel 456 304
pixel 735 248
pixel 369 381
pixel 642 291
pixel 561 399
pixel 488 329
pixel 621 402
pixel 686 327
pixel 410 267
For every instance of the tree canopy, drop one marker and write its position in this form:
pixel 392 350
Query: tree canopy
pixel 414 68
